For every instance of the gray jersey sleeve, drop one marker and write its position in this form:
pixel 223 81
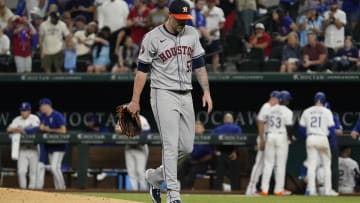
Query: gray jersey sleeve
pixel 148 49
pixel 198 49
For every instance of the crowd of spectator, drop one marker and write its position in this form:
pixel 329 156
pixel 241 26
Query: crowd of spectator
pixel 105 35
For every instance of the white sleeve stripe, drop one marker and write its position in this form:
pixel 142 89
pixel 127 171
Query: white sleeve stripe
pixel 141 61
pixel 198 56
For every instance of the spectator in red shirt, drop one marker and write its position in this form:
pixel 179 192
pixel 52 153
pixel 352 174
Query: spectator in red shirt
pixel 314 54
pixel 260 40
pixel 137 20
pixel 21 44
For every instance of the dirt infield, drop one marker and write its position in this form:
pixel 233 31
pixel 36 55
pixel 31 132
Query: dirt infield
pixel 27 196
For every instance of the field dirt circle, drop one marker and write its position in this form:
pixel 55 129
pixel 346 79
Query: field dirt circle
pixel 27 196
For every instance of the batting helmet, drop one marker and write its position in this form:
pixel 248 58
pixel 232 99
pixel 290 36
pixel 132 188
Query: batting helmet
pixel 275 93
pixel 320 97
pixel 285 95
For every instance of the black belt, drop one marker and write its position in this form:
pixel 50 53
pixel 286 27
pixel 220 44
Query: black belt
pixel 181 91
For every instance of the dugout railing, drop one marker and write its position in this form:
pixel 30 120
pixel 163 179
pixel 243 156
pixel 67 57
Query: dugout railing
pixel 83 141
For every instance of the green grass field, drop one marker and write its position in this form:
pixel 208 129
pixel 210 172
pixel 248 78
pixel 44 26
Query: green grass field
pixel 208 198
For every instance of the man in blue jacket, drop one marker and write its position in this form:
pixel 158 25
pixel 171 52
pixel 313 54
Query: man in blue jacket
pixel 227 162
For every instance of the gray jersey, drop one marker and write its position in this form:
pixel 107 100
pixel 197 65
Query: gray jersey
pixel 171 57
pixel 347 171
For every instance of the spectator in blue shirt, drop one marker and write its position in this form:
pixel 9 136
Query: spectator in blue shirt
pixel 346 57
pixel 352 10
pixel 283 24
pixel 52 121
pixel 81 7
pixel 199 21
pixel 227 162
pixel 197 162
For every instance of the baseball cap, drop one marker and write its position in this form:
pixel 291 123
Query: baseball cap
pixel 285 95
pixel 45 101
pixel 92 118
pixel 333 2
pixel 275 93
pixel 25 106
pixel 259 26
pixel 180 10
pixel 320 96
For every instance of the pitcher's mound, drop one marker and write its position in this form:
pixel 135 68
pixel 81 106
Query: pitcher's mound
pixel 28 196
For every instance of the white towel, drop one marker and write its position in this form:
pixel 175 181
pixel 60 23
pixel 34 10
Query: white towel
pixel 15 145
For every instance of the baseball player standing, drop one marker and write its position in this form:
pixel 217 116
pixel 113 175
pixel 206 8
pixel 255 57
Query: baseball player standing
pixel 28 155
pixel 171 52
pixel 53 121
pixel 279 119
pixel 316 123
pixel 257 169
pixel 136 157
pixel 348 171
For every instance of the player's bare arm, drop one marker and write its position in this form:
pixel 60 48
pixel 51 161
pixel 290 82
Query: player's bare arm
pixel 139 83
pixel 261 125
pixel 202 77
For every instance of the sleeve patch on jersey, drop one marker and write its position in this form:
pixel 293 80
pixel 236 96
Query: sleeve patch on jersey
pixel 198 62
pixel 144 67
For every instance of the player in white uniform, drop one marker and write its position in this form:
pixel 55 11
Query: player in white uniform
pixel 348 171
pixel 316 123
pixel 257 169
pixel 171 52
pixel 136 157
pixel 28 155
pixel 279 119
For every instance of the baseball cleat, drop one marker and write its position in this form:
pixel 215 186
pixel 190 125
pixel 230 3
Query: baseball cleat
pixel 287 192
pixel 154 191
pixel 263 193
pixel 176 201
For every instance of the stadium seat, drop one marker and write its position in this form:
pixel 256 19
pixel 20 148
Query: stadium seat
pixel 6 63
pixel 248 65
pixel 276 52
pixel 272 65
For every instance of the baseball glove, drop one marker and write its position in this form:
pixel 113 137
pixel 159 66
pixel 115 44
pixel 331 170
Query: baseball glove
pixel 129 125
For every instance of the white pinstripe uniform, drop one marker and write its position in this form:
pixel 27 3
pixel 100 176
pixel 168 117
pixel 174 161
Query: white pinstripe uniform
pixel 347 172
pixel 28 156
pixel 277 146
pixel 317 120
pixel 136 157
pixel 258 167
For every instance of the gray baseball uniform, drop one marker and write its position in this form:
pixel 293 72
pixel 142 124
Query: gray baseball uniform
pixel 171 58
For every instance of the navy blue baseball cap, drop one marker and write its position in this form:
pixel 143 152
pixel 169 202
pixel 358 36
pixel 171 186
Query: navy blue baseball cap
pixel 333 2
pixel 320 97
pixel 25 106
pixel 275 93
pixel 180 10
pixel 92 118
pixel 45 101
pixel 285 95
